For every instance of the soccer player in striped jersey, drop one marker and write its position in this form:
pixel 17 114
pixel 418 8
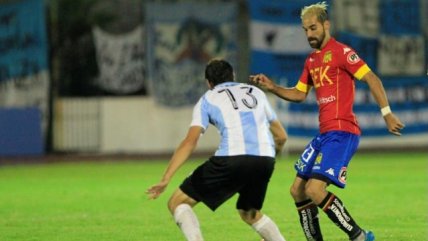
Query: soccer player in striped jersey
pixel 251 137
pixel 331 69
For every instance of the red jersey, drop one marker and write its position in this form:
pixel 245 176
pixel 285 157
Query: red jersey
pixel 332 71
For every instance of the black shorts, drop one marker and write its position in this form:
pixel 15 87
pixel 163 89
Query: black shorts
pixel 219 178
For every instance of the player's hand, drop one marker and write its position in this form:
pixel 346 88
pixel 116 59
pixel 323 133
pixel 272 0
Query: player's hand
pixel 262 81
pixel 394 124
pixel 156 190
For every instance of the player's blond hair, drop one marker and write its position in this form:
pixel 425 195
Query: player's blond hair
pixel 317 9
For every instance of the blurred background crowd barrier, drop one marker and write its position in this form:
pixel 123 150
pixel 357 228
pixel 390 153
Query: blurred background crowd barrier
pixel 121 76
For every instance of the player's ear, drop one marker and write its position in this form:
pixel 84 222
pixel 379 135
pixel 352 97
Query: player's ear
pixel 209 84
pixel 327 25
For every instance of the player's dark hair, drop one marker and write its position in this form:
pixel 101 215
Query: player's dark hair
pixel 219 71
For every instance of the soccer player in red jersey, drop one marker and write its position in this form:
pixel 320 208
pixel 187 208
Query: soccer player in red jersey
pixel 331 70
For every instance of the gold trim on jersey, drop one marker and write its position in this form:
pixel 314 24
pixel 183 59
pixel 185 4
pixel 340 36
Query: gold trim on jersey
pixel 363 70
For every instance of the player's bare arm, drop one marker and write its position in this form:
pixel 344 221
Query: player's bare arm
pixel 279 135
pixel 393 123
pixel 289 94
pixel 181 154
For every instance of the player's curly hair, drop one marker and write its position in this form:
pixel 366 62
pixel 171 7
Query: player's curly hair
pixel 317 9
pixel 219 71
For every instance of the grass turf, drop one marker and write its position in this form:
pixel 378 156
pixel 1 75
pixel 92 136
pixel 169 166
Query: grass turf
pixel 90 201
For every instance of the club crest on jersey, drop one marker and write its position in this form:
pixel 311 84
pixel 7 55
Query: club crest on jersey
pixel 319 158
pixel 352 58
pixel 327 57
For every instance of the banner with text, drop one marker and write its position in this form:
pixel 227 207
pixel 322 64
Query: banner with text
pixel 401 55
pixel 24 75
pixel 407 97
pixel 182 38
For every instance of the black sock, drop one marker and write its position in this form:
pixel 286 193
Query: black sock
pixel 337 213
pixel 308 214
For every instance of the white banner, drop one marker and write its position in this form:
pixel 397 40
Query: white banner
pixel 401 55
pixel 120 60
pixel 360 16
pixel 278 38
pixel 182 38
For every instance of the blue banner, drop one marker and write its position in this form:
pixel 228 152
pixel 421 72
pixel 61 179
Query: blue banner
pixel 278 11
pixel 400 17
pixel 23 41
pixel 24 68
pixel 182 38
pixel 20 132
pixel 278 43
pixel 366 47
pixel 408 99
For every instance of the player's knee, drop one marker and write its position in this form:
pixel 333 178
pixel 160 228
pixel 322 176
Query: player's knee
pixel 173 202
pixel 316 190
pixel 179 197
pixel 171 205
pixel 312 191
pixel 294 192
pixel 297 192
pixel 250 216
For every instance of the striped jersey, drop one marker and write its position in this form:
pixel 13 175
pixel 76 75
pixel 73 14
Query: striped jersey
pixel 332 71
pixel 242 115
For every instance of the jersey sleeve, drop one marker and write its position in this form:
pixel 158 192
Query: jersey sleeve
pixel 200 115
pixel 305 81
pixel 354 64
pixel 270 112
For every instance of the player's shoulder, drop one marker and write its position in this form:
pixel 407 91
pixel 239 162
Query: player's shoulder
pixel 342 48
pixel 207 93
pixel 347 54
pixel 206 97
pixel 247 85
pixel 254 89
pixel 311 56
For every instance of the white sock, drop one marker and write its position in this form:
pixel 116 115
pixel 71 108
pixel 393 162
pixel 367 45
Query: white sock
pixel 268 229
pixel 188 222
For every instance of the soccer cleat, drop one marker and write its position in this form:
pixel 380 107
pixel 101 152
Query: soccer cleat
pixel 369 236
pixel 365 236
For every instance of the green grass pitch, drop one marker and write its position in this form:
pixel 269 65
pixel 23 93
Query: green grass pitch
pixel 91 201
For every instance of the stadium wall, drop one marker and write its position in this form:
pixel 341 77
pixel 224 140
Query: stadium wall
pixel 138 125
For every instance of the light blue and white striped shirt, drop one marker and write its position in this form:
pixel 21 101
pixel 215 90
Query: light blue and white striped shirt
pixel 242 115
